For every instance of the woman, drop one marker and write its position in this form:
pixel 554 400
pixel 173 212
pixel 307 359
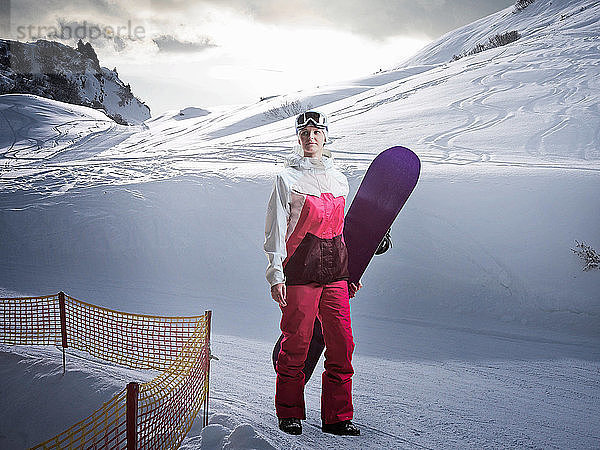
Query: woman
pixel 308 275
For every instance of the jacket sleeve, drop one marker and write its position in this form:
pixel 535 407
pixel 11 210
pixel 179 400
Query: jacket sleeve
pixel 278 211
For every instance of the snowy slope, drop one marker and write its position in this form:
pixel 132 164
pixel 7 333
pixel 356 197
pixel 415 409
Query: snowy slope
pixel 38 131
pixel 480 303
pixel 542 19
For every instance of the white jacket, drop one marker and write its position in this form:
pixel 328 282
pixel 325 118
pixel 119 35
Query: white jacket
pixel 307 203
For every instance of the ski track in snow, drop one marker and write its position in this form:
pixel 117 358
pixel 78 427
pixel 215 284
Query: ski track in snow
pixel 468 107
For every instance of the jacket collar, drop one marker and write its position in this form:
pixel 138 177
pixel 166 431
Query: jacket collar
pixel 296 159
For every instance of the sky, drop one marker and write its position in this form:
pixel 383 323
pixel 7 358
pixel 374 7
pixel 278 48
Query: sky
pixel 177 53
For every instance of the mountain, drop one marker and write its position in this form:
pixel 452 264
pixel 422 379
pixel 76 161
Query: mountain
pixel 59 72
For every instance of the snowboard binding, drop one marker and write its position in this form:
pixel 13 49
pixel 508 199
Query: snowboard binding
pixel 385 244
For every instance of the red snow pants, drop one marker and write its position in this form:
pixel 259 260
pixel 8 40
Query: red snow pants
pixel 331 303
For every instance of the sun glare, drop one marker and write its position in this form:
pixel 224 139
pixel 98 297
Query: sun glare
pixel 251 59
pixel 302 57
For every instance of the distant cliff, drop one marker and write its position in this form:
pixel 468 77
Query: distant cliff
pixel 54 70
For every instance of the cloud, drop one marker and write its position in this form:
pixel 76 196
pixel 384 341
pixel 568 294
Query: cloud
pixel 168 43
pixel 376 18
pixel 165 19
pixel 381 18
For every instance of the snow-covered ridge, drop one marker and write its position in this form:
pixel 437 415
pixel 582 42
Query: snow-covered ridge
pixel 538 20
pixel 56 71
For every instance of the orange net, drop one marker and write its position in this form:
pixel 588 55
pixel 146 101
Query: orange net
pixel 132 340
pixel 30 321
pixel 153 415
pixel 169 403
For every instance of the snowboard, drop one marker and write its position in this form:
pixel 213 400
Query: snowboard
pixel 385 188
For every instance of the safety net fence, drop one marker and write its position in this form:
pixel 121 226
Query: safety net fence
pixel 153 415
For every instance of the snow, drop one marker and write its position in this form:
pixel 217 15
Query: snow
pixel 477 329
pixel 446 387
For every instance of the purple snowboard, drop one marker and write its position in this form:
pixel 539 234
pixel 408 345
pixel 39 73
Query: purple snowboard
pixel 386 186
pixel 388 183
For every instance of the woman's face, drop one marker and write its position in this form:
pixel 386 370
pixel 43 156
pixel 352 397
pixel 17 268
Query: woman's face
pixel 312 140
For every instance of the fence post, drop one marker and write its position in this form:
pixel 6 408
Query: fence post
pixel 133 390
pixel 63 327
pixel 208 356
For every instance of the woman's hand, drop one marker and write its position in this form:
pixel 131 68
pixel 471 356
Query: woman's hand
pixel 278 292
pixel 353 288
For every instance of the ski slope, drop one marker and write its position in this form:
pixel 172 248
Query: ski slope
pixel 478 329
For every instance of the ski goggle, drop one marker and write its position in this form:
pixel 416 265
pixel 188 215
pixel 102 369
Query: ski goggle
pixel 313 118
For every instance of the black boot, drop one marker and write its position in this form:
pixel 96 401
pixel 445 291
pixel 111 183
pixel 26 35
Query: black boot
pixel 290 425
pixel 344 428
